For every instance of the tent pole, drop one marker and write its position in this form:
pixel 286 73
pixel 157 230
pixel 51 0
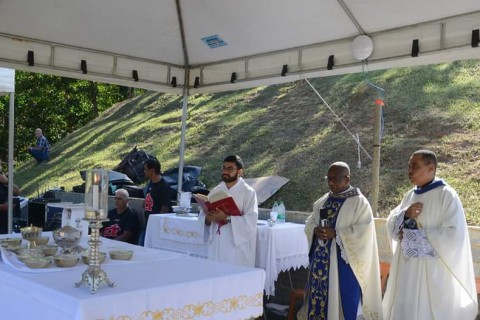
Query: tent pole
pixel 10 161
pixel 182 137
pixel 376 159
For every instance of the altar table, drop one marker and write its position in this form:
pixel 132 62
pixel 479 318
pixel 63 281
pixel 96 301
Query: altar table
pixel 279 248
pixel 155 284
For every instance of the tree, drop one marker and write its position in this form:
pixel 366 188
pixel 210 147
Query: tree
pixel 57 105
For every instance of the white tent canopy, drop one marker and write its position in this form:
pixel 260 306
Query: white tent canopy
pixel 201 46
pixel 156 41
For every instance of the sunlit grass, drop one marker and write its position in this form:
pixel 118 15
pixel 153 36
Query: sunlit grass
pixel 287 130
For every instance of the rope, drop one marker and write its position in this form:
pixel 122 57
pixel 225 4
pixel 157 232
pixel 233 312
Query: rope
pixel 359 163
pixel 336 116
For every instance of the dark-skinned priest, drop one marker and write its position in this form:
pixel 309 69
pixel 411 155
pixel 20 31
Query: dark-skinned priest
pixel 344 273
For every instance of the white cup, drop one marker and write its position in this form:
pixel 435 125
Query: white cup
pixel 185 199
pixel 274 216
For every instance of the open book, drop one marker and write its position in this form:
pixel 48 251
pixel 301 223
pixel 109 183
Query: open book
pixel 221 200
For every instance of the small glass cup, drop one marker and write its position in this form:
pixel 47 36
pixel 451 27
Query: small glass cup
pixel 271 223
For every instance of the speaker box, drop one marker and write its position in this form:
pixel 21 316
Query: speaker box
pixel 37 212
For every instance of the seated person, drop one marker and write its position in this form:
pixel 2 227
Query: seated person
pixel 41 151
pixel 124 224
pixel 4 202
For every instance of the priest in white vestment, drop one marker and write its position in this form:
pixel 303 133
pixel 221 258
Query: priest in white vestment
pixel 344 273
pixel 431 274
pixel 232 239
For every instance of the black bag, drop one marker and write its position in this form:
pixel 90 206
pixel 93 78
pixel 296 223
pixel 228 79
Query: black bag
pixel 132 165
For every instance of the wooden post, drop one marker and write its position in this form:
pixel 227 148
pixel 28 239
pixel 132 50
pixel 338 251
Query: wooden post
pixel 376 159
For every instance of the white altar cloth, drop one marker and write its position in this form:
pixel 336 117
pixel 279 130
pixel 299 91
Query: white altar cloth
pixel 182 228
pixel 168 286
pixel 279 248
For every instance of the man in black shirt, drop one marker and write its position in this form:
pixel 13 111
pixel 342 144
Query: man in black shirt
pixel 124 224
pixel 158 193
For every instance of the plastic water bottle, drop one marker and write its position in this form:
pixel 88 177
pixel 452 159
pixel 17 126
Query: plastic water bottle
pixel 275 206
pixel 281 212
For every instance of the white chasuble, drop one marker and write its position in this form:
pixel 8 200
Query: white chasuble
pixel 436 285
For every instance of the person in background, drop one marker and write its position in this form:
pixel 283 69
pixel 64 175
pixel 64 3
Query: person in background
pixel 41 151
pixel 431 274
pixel 344 274
pixel 158 194
pixel 4 201
pixel 123 224
pixel 235 241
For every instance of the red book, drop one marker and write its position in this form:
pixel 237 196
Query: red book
pixel 220 200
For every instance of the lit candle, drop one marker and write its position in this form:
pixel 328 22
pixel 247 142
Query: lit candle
pixel 95 197
pixel 95 191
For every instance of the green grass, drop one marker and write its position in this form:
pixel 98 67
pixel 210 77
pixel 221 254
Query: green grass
pixel 286 130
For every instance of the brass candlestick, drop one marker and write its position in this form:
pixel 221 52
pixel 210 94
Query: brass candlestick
pixel 96 208
pixel 94 276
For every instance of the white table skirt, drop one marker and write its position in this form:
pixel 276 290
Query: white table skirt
pixel 279 248
pixel 168 286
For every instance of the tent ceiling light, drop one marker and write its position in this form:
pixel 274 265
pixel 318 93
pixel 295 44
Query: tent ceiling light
pixel 362 47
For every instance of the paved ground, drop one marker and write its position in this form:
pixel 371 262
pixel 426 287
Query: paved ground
pixel 271 316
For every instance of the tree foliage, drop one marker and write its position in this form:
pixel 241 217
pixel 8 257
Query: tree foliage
pixel 55 104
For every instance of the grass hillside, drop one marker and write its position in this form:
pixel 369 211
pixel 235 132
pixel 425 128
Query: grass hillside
pixel 286 130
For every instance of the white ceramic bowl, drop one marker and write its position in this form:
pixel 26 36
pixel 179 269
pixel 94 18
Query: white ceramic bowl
pixel 66 260
pixel 37 262
pixel 86 257
pixel 48 249
pixel 23 257
pixel 40 241
pixel 10 242
pixel 121 254
pixel 14 248
pixel 181 210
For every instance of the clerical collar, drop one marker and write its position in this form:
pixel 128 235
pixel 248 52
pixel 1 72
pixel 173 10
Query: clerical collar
pixel 432 185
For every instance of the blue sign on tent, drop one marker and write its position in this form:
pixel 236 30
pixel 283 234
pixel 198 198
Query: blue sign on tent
pixel 214 41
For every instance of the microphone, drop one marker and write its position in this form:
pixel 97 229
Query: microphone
pixel 323 223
